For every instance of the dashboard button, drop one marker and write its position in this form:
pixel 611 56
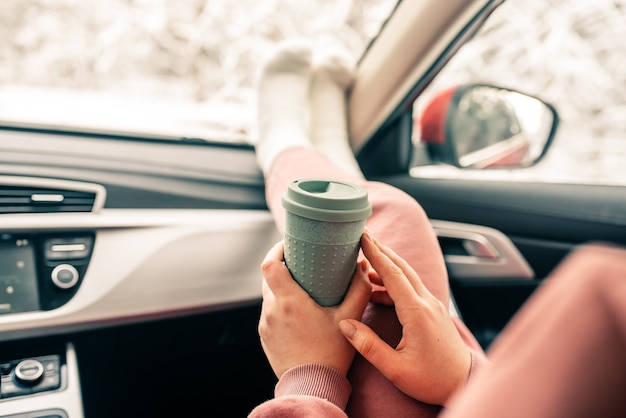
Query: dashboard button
pixel 57 249
pixel 28 372
pixel 64 276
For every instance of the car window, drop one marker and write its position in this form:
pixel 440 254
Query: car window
pixel 570 54
pixel 156 66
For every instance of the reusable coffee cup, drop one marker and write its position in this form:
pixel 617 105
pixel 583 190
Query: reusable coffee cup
pixel 324 224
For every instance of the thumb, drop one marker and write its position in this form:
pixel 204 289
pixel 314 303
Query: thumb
pixel 367 343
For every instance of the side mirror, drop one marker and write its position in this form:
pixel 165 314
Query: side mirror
pixel 483 126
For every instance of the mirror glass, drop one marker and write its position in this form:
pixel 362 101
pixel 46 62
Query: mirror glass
pixel 494 127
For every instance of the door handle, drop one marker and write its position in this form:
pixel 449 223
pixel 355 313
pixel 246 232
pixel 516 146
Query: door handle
pixel 479 252
pixel 477 245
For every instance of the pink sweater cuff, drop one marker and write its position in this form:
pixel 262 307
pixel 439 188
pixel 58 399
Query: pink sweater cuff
pixel 316 380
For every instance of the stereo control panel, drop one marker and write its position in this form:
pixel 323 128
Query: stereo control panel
pixel 42 271
pixel 38 380
pixel 30 375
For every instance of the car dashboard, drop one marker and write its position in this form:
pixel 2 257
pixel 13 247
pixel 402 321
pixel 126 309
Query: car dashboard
pixel 106 238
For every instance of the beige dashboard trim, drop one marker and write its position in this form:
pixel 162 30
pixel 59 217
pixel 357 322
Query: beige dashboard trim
pixel 151 263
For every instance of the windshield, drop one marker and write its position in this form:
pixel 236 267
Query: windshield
pixel 181 69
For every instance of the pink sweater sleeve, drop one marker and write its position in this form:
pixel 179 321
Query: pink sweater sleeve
pixel 314 390
pixel 309 390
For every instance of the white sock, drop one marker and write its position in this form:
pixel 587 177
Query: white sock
pixel 332 75
pixel 282 102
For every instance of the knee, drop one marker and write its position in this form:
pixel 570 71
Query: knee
pixel 591 264
pixel 393 201
pixel 593 256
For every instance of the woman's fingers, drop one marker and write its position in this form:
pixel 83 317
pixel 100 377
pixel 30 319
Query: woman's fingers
pixel 400 280
pixel 279 282
pixel 274 258
pixel 381 297
pixel 410 273
pixel 368 344
pixel 374 277
pixel 276 274
pixel 359 291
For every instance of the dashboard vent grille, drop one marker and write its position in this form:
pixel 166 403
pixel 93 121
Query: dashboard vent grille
pixel 20 199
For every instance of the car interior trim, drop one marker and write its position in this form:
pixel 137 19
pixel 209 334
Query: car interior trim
pixel 135 269
pixel 415 37
pixel 56 184
pixel 489 254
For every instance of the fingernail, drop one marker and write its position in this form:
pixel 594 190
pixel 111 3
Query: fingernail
pixel 347 329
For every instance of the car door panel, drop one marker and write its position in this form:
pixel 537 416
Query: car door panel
pixel 548 211
pixel 543 221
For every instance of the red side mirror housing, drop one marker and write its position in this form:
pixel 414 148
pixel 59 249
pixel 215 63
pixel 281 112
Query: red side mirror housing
pixel 481 126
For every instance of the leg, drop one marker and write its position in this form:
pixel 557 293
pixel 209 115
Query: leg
pixel 325 153
pixel 283 89
pixel 563 354
pixel 397 220
pixel 332 76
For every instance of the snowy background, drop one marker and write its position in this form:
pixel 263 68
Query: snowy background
pixel 178 66
pixel 571 54
pixel 193 59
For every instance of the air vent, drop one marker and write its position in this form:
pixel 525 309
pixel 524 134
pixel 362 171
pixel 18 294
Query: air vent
pixel 24 199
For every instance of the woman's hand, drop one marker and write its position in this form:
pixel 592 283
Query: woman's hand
pixel 431 360
pixel 295 330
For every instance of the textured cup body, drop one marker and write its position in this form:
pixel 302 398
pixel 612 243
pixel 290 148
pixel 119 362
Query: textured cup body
pixel 322 256
pixel 324 224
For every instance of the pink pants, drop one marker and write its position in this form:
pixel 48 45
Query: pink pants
pixel 564 354
pixel 399 222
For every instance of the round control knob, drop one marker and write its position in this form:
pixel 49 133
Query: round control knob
pixel 28 372
pixel 64 276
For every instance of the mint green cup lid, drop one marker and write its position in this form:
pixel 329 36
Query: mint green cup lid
pixel 327 200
